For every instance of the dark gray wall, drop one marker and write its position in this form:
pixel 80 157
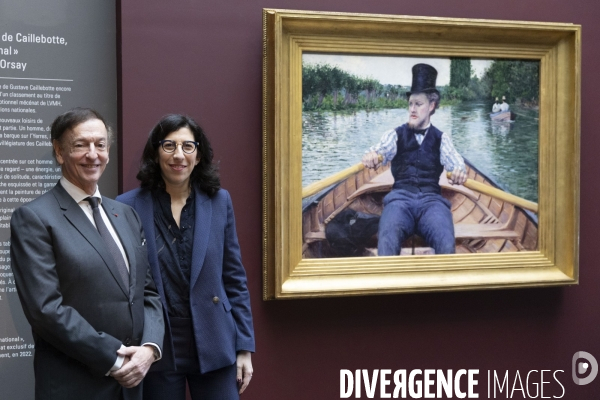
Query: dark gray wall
pixel 85 64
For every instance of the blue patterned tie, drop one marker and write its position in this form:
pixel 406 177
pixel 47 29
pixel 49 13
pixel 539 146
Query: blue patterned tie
pixel 110 242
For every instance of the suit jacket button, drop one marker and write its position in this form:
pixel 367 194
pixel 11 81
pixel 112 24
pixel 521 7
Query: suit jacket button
pixel 127 342
pixel 215 299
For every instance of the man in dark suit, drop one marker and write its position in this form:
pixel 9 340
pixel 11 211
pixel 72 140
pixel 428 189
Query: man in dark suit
pixel 82 276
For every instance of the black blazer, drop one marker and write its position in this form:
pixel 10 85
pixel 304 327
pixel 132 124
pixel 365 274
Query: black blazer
pixel 73 297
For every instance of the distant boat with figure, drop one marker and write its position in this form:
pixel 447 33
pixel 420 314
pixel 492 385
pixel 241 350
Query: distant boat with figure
pixel 503 116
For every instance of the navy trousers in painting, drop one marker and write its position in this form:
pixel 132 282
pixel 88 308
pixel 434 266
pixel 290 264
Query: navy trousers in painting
pixel 406 213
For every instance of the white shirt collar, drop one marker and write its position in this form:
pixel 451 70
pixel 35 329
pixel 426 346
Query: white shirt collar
pixel 77 193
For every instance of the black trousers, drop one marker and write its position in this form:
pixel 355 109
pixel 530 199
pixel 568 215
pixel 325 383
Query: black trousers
pixel 171 385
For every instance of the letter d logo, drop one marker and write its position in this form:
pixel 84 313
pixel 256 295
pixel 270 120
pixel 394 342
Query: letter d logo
pixel 582 367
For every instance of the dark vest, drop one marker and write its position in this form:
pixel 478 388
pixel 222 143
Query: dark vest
pixel 415 167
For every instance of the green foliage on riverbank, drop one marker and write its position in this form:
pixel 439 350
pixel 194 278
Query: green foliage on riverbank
pixel 328 103
pixel 329 88
pixel 519 81
pixel 460 72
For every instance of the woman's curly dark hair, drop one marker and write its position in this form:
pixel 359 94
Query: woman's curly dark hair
pixel 204 175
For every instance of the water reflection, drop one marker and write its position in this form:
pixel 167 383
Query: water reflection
pixel 507 152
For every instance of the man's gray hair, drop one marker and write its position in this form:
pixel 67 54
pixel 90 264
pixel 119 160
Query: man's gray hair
pixel 434 97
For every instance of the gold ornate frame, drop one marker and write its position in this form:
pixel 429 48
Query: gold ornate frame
pixel 286 34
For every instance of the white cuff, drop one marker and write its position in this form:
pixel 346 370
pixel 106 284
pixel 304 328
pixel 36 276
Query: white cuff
pixel 158 351
pixel 118 363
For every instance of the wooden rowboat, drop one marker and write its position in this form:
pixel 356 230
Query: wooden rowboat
pixel 482 224
pixel 505 116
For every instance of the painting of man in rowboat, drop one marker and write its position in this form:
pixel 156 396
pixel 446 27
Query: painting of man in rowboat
pixel 383 175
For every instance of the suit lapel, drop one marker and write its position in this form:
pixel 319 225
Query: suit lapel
pixel 145 208
pixel 75 215
pixel 123 230
pixel 201 234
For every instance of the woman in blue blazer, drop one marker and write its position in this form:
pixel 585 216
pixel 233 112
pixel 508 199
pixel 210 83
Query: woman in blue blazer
pixel 195 261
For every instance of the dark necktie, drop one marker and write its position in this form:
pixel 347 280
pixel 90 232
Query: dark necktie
pixel 420 134
pixel 110 242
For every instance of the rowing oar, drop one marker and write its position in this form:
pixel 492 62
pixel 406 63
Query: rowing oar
pixel 316 187
pixel 499 194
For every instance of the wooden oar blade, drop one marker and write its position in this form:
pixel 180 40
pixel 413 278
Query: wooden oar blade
pixel 499 194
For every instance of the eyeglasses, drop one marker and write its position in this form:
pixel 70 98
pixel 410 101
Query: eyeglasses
pixel 169 146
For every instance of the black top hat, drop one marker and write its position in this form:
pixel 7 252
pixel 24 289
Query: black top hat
pixel 424 77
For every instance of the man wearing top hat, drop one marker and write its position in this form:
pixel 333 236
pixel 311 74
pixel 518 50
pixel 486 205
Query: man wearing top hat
pixel 419 153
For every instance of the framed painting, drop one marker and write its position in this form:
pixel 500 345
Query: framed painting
pixel 406 154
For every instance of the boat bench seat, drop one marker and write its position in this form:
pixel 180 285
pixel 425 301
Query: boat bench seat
pixel 314 236
pixel 461 231
pixel 484 231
